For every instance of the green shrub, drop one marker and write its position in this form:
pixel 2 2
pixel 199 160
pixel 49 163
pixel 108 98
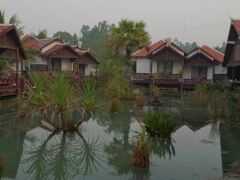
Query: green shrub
pixel 159 125
pixel 154 91
pixel 215 97
pixel 114 105
pixel 89 101
pixel 140 99
pixel 56 100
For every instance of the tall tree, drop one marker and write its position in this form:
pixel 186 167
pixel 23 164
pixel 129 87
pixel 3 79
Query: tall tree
pixel 42 34
pixel 185 46
pixel 127 36
pixel 67 37
pixel 221 47
pixel 95 38
pixel 13 20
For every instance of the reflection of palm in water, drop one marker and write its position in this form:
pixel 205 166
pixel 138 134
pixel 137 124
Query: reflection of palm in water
pixel 62 157
pixel 119 155
pixel 162 148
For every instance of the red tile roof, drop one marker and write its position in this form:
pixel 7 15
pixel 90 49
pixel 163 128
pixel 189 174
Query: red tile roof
pixel 144 52
pixel 236 24
pixel 218 56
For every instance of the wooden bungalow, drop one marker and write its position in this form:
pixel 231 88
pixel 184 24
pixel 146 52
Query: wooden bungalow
pixel 87 64
pixel 204 64
pixel 53 55
pixel 232 52
pixel 167 65
pixel 11 50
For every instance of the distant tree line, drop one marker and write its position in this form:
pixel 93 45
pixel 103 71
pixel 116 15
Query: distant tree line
pixel 106 38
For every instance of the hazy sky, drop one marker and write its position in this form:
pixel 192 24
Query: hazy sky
pixel 204 21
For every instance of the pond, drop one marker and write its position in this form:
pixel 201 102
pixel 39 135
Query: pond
pixel 199 149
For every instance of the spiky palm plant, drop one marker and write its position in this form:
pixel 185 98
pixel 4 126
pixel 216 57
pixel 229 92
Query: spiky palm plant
pixel 13 20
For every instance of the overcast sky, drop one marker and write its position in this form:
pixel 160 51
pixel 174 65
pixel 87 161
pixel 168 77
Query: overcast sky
pixel 204 21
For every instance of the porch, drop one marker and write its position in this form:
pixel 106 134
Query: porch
pixel 166 81
pixel 11 59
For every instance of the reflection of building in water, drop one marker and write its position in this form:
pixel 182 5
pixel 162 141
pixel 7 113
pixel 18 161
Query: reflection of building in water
pixel 197 155
pixel 230 145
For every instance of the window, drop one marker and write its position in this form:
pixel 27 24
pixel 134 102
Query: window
pixel 56 64
pixel 199 72
pixel 38 67
pixel 165 67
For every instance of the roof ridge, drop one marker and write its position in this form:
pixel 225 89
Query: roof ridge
pixel 213 49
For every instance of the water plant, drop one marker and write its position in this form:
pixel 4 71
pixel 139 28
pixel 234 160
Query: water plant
pixel 162 148
pixel 154 91
pixel 216 98
pixel 140 99
pixel 158 124
pixel 89 96
pixel 141 152
pixel 114 105
pixel 56 100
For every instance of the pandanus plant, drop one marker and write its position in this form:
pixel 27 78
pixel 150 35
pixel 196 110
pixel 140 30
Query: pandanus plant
pixel 159 125
pixel 57 100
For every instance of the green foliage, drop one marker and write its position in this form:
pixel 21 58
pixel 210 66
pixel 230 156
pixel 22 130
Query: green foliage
pixel 13 20
pixel 140 98
pixel 114 105
pixel 56 99
pixel 116 82
pixel 154 91
pixel 42 34
pixel 36 95
pixel 95 38
pixel 127 36
pixel 221 48
pixel 60 93
pixel 89 94
pixel 162 148
pixel 217 98
pixel 4 65
pixel 187 46
pixel 2 17
pixel 159 125
pixel 67 37
pixel 141 152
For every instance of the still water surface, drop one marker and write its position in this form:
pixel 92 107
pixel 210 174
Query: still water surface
pixel 101 149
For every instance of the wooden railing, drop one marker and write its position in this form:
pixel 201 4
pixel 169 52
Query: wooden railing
pixel 9 84
pixel 167 80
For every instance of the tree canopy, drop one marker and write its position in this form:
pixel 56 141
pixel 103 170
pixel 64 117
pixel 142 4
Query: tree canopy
pixel 42 34
pixel 95 38
pixel 221 47
pixel 127 36
pixel 67 37
pixel 185 46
